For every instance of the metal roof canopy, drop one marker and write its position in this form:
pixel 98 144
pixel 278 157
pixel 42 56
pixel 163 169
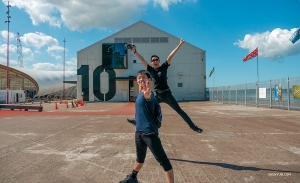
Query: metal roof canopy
pixel 18 80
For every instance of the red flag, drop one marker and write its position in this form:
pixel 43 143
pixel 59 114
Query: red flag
pixel 251 55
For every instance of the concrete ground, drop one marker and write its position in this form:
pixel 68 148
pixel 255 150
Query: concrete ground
pixel 94 143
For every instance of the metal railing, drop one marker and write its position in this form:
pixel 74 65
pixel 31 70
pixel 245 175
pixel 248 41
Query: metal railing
pixel 279 93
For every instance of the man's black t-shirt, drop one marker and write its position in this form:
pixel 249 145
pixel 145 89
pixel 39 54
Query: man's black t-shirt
pixel 159 76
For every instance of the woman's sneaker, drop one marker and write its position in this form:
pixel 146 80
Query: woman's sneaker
pixel 132 121
pixel 197 129
pixel 129 179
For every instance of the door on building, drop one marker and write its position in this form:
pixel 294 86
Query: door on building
pixel 131 91
pixel 17 97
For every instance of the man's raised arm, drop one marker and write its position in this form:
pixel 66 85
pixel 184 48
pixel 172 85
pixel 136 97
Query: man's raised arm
pixel 133 49
pixel 169 59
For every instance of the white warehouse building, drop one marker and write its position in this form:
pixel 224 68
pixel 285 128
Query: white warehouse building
pixel 106 70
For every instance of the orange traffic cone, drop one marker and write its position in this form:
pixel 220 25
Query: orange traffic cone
pixel 56 107
pixel 76 103
pixel 67 105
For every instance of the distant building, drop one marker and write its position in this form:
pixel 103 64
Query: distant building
pixel 39 83
pixel 106 69
pixel 15 96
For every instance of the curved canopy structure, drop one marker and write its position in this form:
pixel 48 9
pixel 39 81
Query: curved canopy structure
pixel 45 82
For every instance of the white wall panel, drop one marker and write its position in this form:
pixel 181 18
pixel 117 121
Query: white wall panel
pixel 122 86
pixel 79 89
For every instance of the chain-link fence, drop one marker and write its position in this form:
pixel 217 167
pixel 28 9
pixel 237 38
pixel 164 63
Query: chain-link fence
pixel 279 93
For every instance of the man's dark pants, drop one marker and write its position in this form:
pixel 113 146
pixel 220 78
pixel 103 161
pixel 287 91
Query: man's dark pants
pixel 168 98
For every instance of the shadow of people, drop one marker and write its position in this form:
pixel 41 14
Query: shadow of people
pixel 231 166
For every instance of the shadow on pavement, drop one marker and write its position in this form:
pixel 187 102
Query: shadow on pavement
pixel 230 166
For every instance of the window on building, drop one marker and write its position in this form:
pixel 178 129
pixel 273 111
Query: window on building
pixel 164 40
pixel 127 40
pixel 134 61
pixel 114 56
pixel 123 40
pixel 119 40
pixel 154 40
pixel 180 84
pixel 142 40
pixel 145 40
pixel 136 40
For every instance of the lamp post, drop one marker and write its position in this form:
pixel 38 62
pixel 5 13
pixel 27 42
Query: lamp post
pixel 7 67
pixel 64 69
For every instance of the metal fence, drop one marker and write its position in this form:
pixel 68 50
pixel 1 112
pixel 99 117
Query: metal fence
pixel 279 93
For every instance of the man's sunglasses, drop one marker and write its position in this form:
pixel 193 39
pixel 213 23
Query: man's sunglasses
pixel 155 60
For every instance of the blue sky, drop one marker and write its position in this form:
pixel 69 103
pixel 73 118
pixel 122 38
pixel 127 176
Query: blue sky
pixel 227 29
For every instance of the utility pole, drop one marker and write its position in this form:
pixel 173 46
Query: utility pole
pixel 7 67
pixel 19 51
pixel 64 92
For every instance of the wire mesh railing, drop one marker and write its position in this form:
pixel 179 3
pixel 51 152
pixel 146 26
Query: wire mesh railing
pixel 278 93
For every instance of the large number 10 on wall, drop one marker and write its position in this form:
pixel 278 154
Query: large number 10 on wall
pixel 84 72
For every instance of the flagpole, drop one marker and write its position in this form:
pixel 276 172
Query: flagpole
pixel 257 69
pixel 251 55
pixel 214 77
pixel 257 87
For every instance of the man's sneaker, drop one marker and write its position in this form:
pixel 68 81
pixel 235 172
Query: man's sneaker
pixel 197 129
pixel 129 179
pixel 132 121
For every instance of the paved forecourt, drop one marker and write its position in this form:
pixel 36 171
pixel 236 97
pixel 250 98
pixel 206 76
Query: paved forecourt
pixel 94 143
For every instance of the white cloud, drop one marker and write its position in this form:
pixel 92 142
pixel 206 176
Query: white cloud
pixel 3 61
pixel 12 63
pixel 87 14
pixel 38 40
pixel 4 35
pixel 27 51
pixel 273 45
pixel 40 11
pixel 55 51
pixel 55 48
pixel 56 56
pixel 166 3
pixel 3 49
pixel 71 65
pixel 13 54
